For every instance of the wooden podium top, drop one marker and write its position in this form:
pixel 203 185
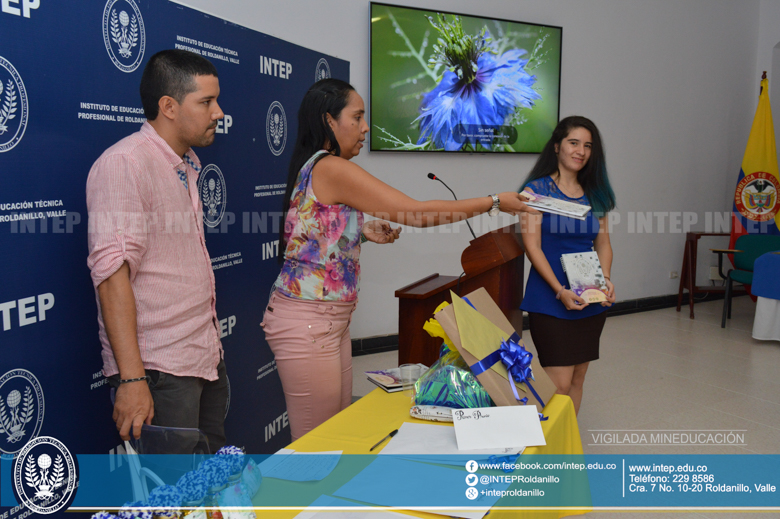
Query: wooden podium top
pixel 483 253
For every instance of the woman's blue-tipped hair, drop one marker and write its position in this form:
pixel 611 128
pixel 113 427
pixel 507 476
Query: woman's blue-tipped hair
pixel 593 177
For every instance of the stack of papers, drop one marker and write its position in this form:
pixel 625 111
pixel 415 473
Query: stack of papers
pixel 557 206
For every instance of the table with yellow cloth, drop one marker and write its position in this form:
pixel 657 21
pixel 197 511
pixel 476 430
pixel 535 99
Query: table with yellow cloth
pixel 361 425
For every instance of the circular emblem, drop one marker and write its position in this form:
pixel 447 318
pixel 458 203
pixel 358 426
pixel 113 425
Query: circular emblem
pixel 14 110
pixel 276 128
pixel 213 194
pixel 756 196
pixel 124 34
pixel 45 475
pixel 322 71
pixel 21 409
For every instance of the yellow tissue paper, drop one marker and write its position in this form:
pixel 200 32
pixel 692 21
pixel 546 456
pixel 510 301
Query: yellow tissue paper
pixel 434 329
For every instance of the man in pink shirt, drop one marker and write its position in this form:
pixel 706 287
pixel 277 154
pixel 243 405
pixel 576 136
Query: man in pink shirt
pixel 148 258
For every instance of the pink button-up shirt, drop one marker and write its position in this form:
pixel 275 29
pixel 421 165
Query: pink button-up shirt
pixel 140 213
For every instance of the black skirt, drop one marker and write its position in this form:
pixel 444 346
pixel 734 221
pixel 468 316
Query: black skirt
pixel 566 342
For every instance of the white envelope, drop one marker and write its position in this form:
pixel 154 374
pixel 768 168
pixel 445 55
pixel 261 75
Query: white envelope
pixel 498 427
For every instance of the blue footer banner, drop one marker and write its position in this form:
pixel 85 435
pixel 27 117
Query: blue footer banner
pixel 441 484
pixel 69 89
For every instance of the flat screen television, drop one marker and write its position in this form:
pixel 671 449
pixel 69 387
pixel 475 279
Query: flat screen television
pixel 447 82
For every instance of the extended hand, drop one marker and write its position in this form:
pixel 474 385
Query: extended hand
pixel 513 203
pixel 572 301
pixel 379 231
pixel 133 406
pixel 610 293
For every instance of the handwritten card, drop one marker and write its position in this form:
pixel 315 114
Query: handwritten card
pixel 497 427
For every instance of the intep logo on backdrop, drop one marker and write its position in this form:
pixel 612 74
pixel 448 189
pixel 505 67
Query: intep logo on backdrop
pixel 322 71
pixel 276 128
pixel 124 34
pixel 14 110
pixel 213 194
pixel 45 475
pixel 21 409
pixel 27 6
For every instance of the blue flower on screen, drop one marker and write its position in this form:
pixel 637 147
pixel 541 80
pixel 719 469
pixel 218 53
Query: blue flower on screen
pixel 479 87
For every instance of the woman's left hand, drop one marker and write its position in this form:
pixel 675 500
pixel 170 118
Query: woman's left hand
pixel 610 293
pixel 379 231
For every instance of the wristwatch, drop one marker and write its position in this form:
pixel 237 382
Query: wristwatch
pixel 495 209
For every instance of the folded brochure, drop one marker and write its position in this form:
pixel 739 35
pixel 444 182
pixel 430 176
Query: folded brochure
pixel 557 206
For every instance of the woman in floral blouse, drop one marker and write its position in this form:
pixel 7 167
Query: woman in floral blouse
pixel 307 319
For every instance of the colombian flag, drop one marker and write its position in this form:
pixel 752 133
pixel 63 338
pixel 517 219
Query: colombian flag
pixel 755 198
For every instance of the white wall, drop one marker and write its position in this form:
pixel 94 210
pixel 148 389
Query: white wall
pixel 671 85
pixel 768 57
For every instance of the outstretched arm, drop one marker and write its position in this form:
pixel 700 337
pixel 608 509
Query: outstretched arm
pixel 338 181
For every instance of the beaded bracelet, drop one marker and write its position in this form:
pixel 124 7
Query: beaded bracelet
pixel 363 238
pixel 128 380
pixel 558 295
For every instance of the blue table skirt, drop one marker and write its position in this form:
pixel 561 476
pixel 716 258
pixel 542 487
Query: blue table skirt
pixel 766 276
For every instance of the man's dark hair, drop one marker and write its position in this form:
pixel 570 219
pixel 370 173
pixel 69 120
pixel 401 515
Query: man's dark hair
pixel 171 73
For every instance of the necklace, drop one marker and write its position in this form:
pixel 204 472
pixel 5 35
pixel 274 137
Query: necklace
pixel 556 180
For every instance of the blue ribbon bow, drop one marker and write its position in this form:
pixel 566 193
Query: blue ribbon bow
pixel 518 365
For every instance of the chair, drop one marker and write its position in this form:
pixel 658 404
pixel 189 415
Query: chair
pixel 154 449
pixel 748 248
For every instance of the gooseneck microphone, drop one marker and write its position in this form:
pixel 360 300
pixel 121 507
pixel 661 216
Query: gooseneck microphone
pixel 434 177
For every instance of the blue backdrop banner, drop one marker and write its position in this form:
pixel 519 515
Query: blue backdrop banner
pixel 69 78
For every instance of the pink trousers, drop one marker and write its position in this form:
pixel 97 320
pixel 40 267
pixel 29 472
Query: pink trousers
pixel 313 350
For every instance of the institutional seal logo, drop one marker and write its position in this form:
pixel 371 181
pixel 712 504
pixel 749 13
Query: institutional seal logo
pixel 45 475
pixel 322 71
pixel 213 194
pixel 14 110
pixel 756 196
pixel 276 128
pixel 21 409
pixel 124 34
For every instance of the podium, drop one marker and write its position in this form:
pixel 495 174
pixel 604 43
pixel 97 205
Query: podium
pixel 493 260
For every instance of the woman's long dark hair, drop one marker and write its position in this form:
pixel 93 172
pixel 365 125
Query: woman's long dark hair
pixel 593 177
pixel 326 96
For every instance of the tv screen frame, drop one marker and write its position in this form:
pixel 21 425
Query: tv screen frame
pixel 452 111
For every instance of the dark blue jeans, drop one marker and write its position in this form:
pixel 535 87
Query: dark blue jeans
pixel 190 402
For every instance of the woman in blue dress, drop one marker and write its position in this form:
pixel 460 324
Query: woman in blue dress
pixel 564 328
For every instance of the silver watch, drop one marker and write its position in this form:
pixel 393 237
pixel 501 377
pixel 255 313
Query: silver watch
pixel 495 209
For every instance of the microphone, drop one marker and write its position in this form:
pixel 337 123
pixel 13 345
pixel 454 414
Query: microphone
pixel 434 177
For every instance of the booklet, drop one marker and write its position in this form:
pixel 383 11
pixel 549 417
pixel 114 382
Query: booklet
pixel 557 206
pixel 390 379
pixel 585 276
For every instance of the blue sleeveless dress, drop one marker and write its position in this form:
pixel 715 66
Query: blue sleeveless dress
pixel 560 235
pixel 562 337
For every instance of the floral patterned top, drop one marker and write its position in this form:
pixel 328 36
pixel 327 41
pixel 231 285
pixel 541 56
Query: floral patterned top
pixel 321 261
